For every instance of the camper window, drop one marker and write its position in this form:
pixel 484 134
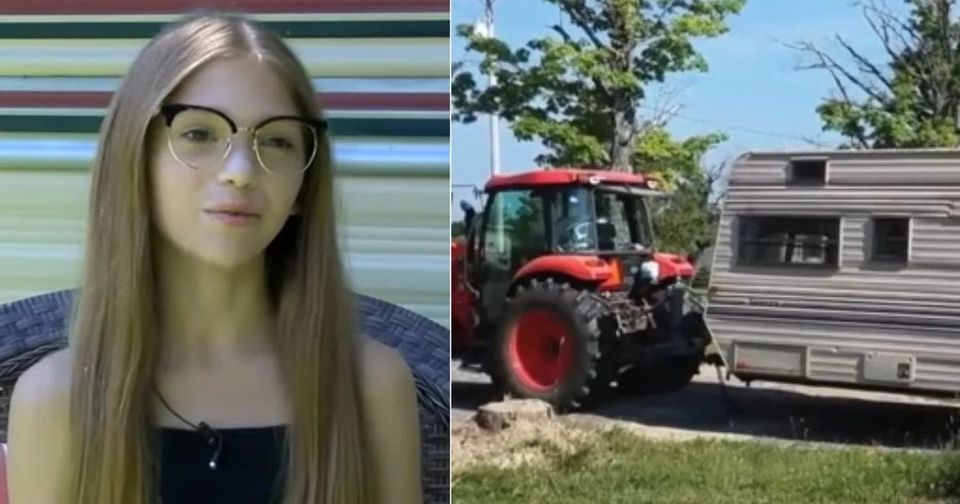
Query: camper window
pixel 789 241
pixel 891 239
pixel 808 171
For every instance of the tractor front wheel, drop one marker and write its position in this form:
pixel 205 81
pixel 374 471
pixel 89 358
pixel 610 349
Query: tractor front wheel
pixel 548 344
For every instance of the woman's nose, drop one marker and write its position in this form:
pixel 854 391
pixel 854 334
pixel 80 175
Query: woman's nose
pixel 241 166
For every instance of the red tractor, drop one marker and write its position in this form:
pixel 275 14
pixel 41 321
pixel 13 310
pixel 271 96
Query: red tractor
pixel 558 293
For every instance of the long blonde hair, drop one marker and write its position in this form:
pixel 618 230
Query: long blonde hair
pixel 114 338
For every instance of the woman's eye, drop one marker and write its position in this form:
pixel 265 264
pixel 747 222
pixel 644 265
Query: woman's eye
pixel 276 143
pixel 199 136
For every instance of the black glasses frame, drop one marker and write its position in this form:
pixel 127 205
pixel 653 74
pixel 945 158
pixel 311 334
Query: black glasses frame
pixel 170 111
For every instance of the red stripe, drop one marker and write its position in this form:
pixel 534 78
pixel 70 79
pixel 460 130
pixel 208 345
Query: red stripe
pixel 332 101
pixel 54 99
pixel 50 7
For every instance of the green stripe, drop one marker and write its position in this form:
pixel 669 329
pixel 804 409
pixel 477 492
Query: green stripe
pixel 345 127
pixel 291 29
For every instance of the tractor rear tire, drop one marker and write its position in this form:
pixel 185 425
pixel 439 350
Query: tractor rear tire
pixel 548 345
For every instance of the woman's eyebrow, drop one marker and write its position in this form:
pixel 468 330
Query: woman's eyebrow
pixel 234 117
pixel 262 118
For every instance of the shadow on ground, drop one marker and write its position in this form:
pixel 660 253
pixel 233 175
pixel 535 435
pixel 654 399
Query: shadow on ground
pixel 790 414
pixel 468 396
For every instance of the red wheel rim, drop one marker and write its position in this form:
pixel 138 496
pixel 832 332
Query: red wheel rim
pixel 541 349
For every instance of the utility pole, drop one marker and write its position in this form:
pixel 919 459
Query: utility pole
pixel 492 81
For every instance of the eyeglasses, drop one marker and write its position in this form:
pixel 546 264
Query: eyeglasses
pixel 201 136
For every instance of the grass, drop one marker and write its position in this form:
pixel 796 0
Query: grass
pixel 620 467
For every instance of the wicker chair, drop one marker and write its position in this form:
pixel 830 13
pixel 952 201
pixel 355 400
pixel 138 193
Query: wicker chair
pixel 32 327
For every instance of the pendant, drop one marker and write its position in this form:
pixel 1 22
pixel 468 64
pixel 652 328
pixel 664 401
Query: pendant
pixel 212 437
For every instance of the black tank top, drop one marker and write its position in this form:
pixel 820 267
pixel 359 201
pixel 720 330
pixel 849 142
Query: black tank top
pixel 248 466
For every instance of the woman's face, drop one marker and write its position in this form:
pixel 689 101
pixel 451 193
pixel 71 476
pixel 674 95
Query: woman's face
pixel 214 202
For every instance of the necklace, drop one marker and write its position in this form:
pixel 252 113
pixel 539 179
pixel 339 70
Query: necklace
pixel 213 438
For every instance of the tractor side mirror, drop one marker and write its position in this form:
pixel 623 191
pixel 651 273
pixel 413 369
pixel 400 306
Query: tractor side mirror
pixel 468 213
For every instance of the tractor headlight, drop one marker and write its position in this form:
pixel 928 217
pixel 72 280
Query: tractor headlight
pixel 650 271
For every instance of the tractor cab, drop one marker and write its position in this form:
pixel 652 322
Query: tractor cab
pixel 597 219
pixel 590 226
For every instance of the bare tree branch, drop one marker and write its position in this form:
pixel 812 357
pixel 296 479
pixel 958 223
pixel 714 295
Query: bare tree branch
pixel 666 96
pixel 828 63
pixel 898 27
pixel 579 17
pixel 917 57
pixel 658 119
pixel 882 31
pixel 866 64
pixel 717 180
pixel 663 109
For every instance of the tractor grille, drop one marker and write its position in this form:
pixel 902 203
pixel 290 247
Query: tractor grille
pixel 628 314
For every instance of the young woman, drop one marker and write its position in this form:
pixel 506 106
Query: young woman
pixel 213 355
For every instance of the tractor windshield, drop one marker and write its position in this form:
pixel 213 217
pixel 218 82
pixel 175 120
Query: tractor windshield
pixel 622 221
pixel 605 219
pixel 573 220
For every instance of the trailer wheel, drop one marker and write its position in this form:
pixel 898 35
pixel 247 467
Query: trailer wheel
pixel 548 345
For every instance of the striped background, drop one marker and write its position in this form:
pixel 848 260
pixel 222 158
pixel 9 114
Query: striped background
pixel 381 69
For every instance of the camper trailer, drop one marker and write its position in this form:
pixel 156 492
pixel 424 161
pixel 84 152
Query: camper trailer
pixel 841 268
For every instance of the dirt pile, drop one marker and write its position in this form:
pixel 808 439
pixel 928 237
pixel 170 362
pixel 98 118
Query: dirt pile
pixel 524 442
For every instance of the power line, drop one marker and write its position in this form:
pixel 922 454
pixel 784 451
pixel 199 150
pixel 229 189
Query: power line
pixel 745 129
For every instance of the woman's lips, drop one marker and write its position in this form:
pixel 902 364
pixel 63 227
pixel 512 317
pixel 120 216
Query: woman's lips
pixel 232 218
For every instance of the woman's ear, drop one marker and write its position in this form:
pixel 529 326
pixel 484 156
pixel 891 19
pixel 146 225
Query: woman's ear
pixel 295 210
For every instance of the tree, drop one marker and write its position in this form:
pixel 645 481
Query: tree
pixel 580 91
pixel 686 221
pixel 910 100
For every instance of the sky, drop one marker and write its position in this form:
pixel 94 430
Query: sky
pixel 753 89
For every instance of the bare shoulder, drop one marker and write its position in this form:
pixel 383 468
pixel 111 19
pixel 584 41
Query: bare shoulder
pixel 46 383
pixel 386 379
pixel 383 367
pixel 393 428
pixel 38 429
